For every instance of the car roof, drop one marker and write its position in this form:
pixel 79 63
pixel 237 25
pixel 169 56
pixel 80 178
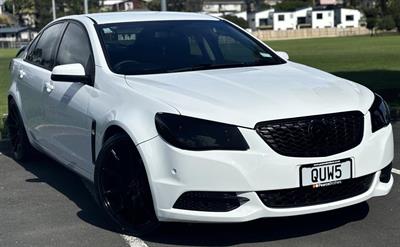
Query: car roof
pixel 136 16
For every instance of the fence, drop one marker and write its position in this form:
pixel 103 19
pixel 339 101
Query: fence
pixel 304 33
pixel 13 44
pixel 310 33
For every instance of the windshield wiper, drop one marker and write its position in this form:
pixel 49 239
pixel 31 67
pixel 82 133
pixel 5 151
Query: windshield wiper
pixel 213 66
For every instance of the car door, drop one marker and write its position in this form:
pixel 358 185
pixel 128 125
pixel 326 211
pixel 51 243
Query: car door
pixel 33 72
pixel 68 124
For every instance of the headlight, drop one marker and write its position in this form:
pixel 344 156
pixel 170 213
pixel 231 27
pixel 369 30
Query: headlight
pixel 380 113
pixel 197 134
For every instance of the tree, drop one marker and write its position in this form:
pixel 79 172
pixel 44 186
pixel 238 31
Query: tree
pixel 386 23
pixel 73 7
pixel 5 20
pixel 292 5
pixel 237 20
pixel 383 5
pixel 43 13
pixel 154 5
pixel 394 10
pixel 352 3
pixel 21 9
pixel 176 5
pixel 372 19
pixel 262 6
pixel 172 5
pixel 194 5
pixel 38 12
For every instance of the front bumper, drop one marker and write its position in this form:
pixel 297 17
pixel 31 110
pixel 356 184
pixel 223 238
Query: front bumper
pixel 255 209
pixel 173 171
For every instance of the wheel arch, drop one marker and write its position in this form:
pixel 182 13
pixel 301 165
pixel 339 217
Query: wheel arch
pixel 10 97
pixel 114 128
pixel 14 96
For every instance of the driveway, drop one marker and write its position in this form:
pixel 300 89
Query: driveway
pixel 44 204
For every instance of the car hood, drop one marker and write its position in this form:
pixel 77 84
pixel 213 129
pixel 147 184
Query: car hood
pixel 248 95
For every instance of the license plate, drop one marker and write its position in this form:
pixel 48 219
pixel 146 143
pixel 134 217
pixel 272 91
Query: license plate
pixel 326 173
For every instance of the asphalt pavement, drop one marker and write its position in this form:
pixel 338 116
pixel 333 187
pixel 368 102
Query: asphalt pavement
pixel 44 204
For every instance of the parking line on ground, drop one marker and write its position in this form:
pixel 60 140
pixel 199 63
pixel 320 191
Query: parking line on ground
pixel 395 171
pixel 133 241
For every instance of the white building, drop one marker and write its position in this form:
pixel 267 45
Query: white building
pixel 12 34
pixel 242 14
pixel 272 2
pixel 328 2
pixel 291 20
pixel 264 18
pixel 323 18
pixel 320 17
pixel 1 6
pixel 121 5
pixel 284 21
pixel 223 6
pixel 111 4
pixel 303 16
pixel 347 18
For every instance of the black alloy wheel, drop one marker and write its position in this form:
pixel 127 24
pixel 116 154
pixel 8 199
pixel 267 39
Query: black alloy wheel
pixel 122 187
pixel 21 148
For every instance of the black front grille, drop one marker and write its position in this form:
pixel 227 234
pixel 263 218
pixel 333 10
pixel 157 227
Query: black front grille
pixel 314 136
pixel 308 195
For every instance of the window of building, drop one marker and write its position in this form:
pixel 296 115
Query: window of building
pixel 349 17
pixel 319 16
pixel 264 22
pixel 281 17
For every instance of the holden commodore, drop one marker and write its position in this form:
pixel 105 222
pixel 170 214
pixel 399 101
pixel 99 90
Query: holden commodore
pixel 187 117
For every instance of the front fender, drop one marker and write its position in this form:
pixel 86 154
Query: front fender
pixel 123 107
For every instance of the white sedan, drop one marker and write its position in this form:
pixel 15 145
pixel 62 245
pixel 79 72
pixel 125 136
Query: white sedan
pixel 187 117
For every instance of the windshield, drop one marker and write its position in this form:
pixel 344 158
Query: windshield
pixel 173 46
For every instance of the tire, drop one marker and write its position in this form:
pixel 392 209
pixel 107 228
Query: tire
pixel 22 150
pixel 122 187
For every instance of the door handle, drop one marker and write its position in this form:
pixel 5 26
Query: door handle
pixel 49 87
pixel 21 74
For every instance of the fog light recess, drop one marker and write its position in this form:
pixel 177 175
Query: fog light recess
pixel 386 174
pixel 209 201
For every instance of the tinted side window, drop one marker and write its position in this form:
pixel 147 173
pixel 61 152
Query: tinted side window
pixel 75 48
pixel 31 47
pixel 43 53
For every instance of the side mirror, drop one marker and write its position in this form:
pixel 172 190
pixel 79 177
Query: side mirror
pixel 283 55
pixel 69 72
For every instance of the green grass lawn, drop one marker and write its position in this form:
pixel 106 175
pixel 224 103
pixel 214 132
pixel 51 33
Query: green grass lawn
pixel 371 61
pixel 5 57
